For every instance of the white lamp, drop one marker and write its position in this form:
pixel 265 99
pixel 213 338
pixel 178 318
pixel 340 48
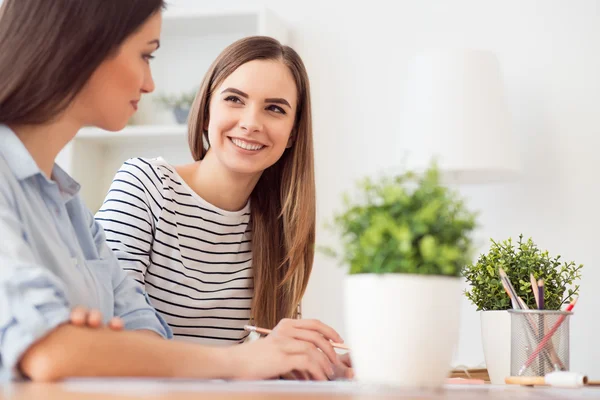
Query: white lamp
pixel 454 111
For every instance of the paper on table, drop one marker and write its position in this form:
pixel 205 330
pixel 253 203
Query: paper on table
pixel 142 386
pixel 177 384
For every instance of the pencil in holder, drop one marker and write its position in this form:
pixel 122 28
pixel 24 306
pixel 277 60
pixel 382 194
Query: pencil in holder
pixel 539 342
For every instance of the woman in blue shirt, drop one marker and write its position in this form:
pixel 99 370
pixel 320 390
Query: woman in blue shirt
pixel 65 65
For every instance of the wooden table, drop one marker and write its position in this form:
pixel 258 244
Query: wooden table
pixel 162 390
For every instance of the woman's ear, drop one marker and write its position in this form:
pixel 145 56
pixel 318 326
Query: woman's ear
pixel 291 139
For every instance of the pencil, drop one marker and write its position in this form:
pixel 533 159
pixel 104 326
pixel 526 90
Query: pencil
pixel 263 331
pixel 536 291
pixel 509 285
pixel 519 304
pixel 541 293
pixel 546 338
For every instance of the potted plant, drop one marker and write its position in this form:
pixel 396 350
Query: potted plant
pixel 405 240
pixel 180 104
pixel 488 295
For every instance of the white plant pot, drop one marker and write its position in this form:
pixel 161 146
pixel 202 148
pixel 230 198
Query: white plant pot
pixel 402 329
pixel 495 337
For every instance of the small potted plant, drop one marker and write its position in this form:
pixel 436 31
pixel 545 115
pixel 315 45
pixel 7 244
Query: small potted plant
pixel 405 240
pixel 180 104
pixel 488 295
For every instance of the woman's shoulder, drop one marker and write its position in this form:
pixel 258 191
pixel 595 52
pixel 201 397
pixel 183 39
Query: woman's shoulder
pixel 149 170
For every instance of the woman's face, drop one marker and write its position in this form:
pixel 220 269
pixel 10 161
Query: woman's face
pixel 251 116
pixel 109 99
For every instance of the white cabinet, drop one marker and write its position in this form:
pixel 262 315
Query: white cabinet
pixel 191 39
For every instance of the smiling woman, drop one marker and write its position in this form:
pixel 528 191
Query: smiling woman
pixel 228 239
pixel 251 122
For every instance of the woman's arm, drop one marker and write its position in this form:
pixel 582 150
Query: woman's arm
pixel 73 351
pixel 131 303
pixel 35 309
pixel 123 231
pixel 128 216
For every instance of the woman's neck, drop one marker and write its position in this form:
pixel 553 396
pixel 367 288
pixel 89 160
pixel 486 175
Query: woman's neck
pixel 220 187
pixel 45 141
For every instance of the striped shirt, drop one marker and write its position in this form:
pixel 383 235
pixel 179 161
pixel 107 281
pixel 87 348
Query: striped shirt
pixel 193 258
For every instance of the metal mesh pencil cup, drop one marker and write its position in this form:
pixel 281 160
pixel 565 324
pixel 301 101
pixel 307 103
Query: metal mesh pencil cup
pixel 539 342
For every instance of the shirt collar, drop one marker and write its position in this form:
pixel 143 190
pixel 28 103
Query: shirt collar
pixel 24 166
pixel 67 185
pixel 16 155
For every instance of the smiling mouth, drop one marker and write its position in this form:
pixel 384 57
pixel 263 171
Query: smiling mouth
pixel 135 105
pixel 242 144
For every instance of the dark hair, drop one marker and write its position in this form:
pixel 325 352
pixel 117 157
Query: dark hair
pixel 50 48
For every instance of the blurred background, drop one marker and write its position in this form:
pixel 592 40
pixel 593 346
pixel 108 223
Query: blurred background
pixel 357 56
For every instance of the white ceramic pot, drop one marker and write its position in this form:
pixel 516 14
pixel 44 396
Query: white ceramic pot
pixel 495 337
pixel 402 329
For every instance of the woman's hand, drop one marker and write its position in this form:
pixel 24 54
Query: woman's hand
pixel 321 336
pixel 299 349
pixel 346 372
pixel 81 316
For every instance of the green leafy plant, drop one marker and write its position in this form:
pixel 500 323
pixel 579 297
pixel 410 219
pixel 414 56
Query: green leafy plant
pixel 487 292
pixel 407 223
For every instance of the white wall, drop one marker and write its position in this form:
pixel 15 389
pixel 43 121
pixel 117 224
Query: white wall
pixel 550 55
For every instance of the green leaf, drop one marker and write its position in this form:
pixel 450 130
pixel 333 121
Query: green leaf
pixel 428 248
pixel 405 223
pixel 519 262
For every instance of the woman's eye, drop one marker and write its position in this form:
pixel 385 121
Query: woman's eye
pixel 233 99
pixel 276 109
pixel 148 57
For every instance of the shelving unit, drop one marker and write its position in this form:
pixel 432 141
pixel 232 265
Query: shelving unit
pixel 190 40
pixel 131 133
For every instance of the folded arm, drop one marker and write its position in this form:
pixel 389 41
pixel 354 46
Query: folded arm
pixel 73 351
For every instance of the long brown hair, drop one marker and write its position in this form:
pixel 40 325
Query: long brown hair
pixel 283 201
pixel 50 48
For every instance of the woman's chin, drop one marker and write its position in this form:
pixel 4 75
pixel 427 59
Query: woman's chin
pixel 113 125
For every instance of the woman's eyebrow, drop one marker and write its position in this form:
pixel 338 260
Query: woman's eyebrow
pixel 275 100
pixel 278 100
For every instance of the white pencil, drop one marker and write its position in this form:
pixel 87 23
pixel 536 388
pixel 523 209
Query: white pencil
pixel 263 331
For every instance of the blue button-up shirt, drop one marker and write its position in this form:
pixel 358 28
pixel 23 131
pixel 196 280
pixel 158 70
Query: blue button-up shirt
pixel 53 257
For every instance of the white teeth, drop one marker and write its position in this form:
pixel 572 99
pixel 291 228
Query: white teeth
pixel 245 145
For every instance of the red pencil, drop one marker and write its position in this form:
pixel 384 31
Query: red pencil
pixel 546 338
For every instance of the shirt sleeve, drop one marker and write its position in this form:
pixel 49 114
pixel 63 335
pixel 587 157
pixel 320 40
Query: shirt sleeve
pixel 131 302
pixel 33 300
pixel 127 217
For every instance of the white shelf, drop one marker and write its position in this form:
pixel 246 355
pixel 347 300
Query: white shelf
pixel 186 24
pixel 133 132
pixel 177 15
pixel 223 20
pixel 207 10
